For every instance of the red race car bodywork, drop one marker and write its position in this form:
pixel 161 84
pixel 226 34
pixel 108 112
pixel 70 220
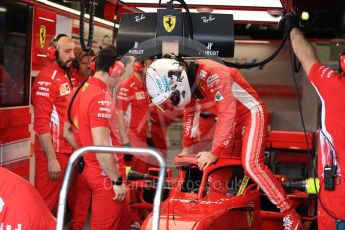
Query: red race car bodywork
pixel 191 206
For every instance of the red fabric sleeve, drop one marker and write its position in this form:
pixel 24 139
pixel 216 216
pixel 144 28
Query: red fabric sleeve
pixel 123 97
pixel 44 93
pixel 226 112
pixel 324 79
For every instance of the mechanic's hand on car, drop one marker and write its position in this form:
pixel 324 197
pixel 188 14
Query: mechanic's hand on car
pixel 205 159
pixel 289 21
pixel 54 169
pixel 120 192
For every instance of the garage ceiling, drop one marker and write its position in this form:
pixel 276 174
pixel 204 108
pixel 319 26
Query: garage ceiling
pixel 327 18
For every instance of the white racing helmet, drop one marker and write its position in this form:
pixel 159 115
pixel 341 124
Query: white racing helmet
pixel 167 84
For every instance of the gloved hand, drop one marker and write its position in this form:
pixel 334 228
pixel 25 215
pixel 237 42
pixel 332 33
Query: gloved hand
pixel 149 142
pixel 289 21
pixel 127 157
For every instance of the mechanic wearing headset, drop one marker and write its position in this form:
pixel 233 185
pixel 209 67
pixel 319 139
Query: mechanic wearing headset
pixel 330 87
pixel 79 198
pixel 49 97
pixel 168 84
pixel 132 107
pixel 81 66
pixel 91 113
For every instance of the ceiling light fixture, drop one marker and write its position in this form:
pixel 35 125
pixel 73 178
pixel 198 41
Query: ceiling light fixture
pixel 305 15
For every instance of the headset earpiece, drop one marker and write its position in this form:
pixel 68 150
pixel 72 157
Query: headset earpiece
pixel 117 69
pixel 93 64
pixel 52 51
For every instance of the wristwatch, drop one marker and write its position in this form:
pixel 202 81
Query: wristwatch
pixel 118 182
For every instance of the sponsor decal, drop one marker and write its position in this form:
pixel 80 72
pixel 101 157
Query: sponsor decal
pixel 139 18
pixel 208 19
pixel 76 122
pixel 212 83
pixel 122 94
pixel 105 109
pixel 43 89
pixel 202 87
pixel 104 115
pixel 226 142
pixel 218 96
pixel 212 78
pixel 140 95
pixel 250 213
pixel 42 35
pixel 202 73
pixel 135 50
pixel 124 89
pixel 189 124
pixel 165 83
pixel 209 51
pixel 85 86
pixel 159 85
pixel 64 89
pixel 169 22
pixel 104 102
pixel 132 84
pixel 46 83
pixel 42 94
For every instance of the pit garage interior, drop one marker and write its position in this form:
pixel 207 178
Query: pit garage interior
pixel 293 105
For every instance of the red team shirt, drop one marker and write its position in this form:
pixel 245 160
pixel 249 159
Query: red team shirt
pixel 94 109
pixel 330 87
pixel 49 96
pixel 21 206
pixel 132 99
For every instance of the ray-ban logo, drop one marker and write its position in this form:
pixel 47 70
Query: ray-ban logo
pixel 139 18
pixel 207 19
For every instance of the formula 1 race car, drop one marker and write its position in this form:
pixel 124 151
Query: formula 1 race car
pixel 189 205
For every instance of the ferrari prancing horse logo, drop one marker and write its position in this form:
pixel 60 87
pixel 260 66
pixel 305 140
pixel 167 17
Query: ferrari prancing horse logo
pixel 42 35
pixel 169 22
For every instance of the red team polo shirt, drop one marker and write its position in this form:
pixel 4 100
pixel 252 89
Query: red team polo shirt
pixel 330 88
pixel 49 96
pixel 93 107
pixel 132 99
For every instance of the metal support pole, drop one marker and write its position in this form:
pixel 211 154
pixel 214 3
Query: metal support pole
pixel 114 150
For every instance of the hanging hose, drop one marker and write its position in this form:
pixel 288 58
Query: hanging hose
pixel 261 63
pixel 115 30
pixel 92 6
